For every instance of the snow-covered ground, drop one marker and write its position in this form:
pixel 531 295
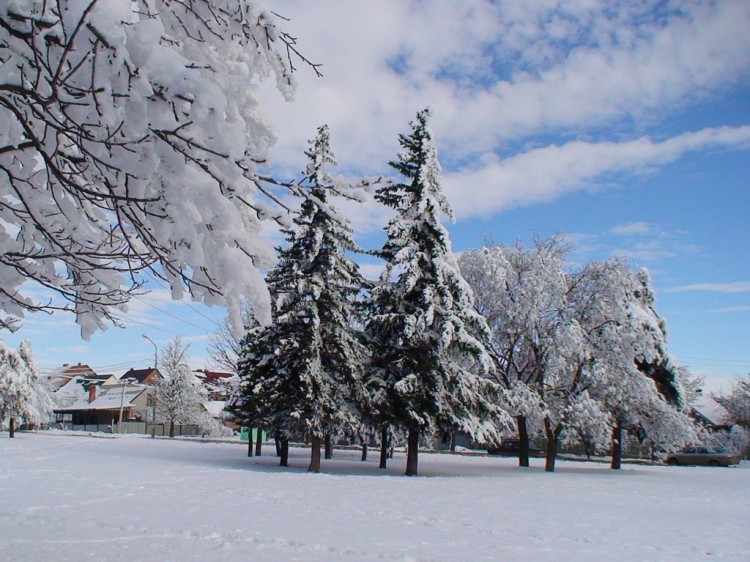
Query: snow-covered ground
pixel 133 498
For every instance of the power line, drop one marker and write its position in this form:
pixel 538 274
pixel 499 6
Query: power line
pixel 114 366
pixel 193 308
pixel 743 362
pixel 170 314
pixel 125 320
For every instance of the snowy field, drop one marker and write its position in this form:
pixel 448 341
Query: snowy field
pixel 132 498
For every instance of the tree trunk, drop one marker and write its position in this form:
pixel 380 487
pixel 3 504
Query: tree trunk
pixel 259 442
pixel 364 449
pixel 453 441
pixel 12 429
pixel 549 465
pixel 329 448
pixel 412 452
pixel 616 447
pixel 277 442
pixel 383 446
pixel 171 428
pixel 284 452
pixel 523 438
pixel 314 454
pixel 249 441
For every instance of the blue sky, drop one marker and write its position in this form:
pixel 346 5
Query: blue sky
pixel 624 126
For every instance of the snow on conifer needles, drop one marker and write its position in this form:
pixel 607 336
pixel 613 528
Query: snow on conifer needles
pixel 423 326
pixel 302 375
pixel 424 352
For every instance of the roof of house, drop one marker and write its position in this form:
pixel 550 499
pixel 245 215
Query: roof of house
pixel 215 407
pixel 212 377
pixel 140 375
pixel 712 411
pixel 61 375
pixel 109 398
pixel 77 388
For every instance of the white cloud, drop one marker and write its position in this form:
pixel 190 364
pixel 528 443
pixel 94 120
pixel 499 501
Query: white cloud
pixel 498 75
pixel 546 173
pixel 731 309
pixel 632 228
pixel 498 72
pixel 736 287
pixel 371 271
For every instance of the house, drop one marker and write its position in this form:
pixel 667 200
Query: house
pixel 60 376
pixel 102 405
pixel 78 387
pixel 143 376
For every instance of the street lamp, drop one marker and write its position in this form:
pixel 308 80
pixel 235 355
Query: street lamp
pixel 124 382
pixel 155 348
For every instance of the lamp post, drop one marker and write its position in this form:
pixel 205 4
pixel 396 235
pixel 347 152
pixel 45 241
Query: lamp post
pixel 124 382
pixel 152 397
pixel 156 350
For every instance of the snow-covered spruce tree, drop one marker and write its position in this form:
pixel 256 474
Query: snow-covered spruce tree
pixel 423 324
pixel 302 375
pixel 520 292
pixel 180 396
pixel 130 140
pixel 23 396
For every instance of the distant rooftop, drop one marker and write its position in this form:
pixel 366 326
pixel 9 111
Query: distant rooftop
pixel 210 377
pixel 140 375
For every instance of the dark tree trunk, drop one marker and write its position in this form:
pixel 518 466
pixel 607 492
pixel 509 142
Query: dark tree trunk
pixel 329 448
pixel 314 454
pixel 277 442
pixel 552 434
pixel 284 452
pixel 171 428
pixel 616 447
pixel 586 446
pixel 412 452
pixel 259 442
pixel 12 429
pixel 249 441
pixel 383 446
pixel 364 448
pixel 523 439
pixel 453 441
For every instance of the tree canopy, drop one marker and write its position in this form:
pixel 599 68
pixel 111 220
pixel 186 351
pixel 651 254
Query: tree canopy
pixel 131 140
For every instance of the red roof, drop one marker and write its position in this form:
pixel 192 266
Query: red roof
pixel 210 377
pixel 140 375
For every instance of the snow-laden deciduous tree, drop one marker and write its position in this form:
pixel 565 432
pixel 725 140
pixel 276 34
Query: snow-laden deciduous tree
pixel 130 140
pixel 423 324
pixel 521 293
pixel 23 396
pixel 583 353
pixel 225 347
pixel 612 308
pixel 737 404
pixel 302 375
pixel 737 401
pixel 180 395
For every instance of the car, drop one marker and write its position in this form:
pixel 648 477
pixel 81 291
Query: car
pixel 512 447
pixel 700 454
